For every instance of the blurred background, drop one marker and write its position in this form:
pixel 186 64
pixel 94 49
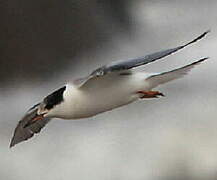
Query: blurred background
pixel 46 43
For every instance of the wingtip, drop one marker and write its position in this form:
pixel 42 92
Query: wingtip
pixel 200 61
pixel 11 144
pixel 204 59
pixel 208 31
pixel 204 34
pixel 198 38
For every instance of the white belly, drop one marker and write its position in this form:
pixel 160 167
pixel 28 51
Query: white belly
pixel 100 95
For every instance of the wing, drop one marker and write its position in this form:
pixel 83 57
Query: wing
pixel 23 132
pixel 165 77
pixel 132 63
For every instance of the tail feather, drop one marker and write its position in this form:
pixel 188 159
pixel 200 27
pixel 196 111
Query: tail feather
pixel 161 78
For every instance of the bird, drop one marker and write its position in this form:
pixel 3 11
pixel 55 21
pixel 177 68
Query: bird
pixel 106 88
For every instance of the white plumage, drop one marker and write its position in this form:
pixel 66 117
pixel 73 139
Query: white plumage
pixel 111 91
pixel 106 88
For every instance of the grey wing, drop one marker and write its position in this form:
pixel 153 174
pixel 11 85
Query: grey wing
pixel 23 133
pixel 132 63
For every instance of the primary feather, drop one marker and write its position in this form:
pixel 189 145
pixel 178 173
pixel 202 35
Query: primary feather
pixel 132 63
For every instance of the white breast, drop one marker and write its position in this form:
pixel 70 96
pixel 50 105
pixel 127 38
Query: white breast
pixel 99 95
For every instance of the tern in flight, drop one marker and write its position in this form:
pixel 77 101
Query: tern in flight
pixel 106 88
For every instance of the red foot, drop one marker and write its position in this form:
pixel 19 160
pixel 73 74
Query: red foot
pixel 150 94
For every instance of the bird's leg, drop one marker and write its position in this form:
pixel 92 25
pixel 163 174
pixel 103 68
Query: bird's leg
pixel 150 94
